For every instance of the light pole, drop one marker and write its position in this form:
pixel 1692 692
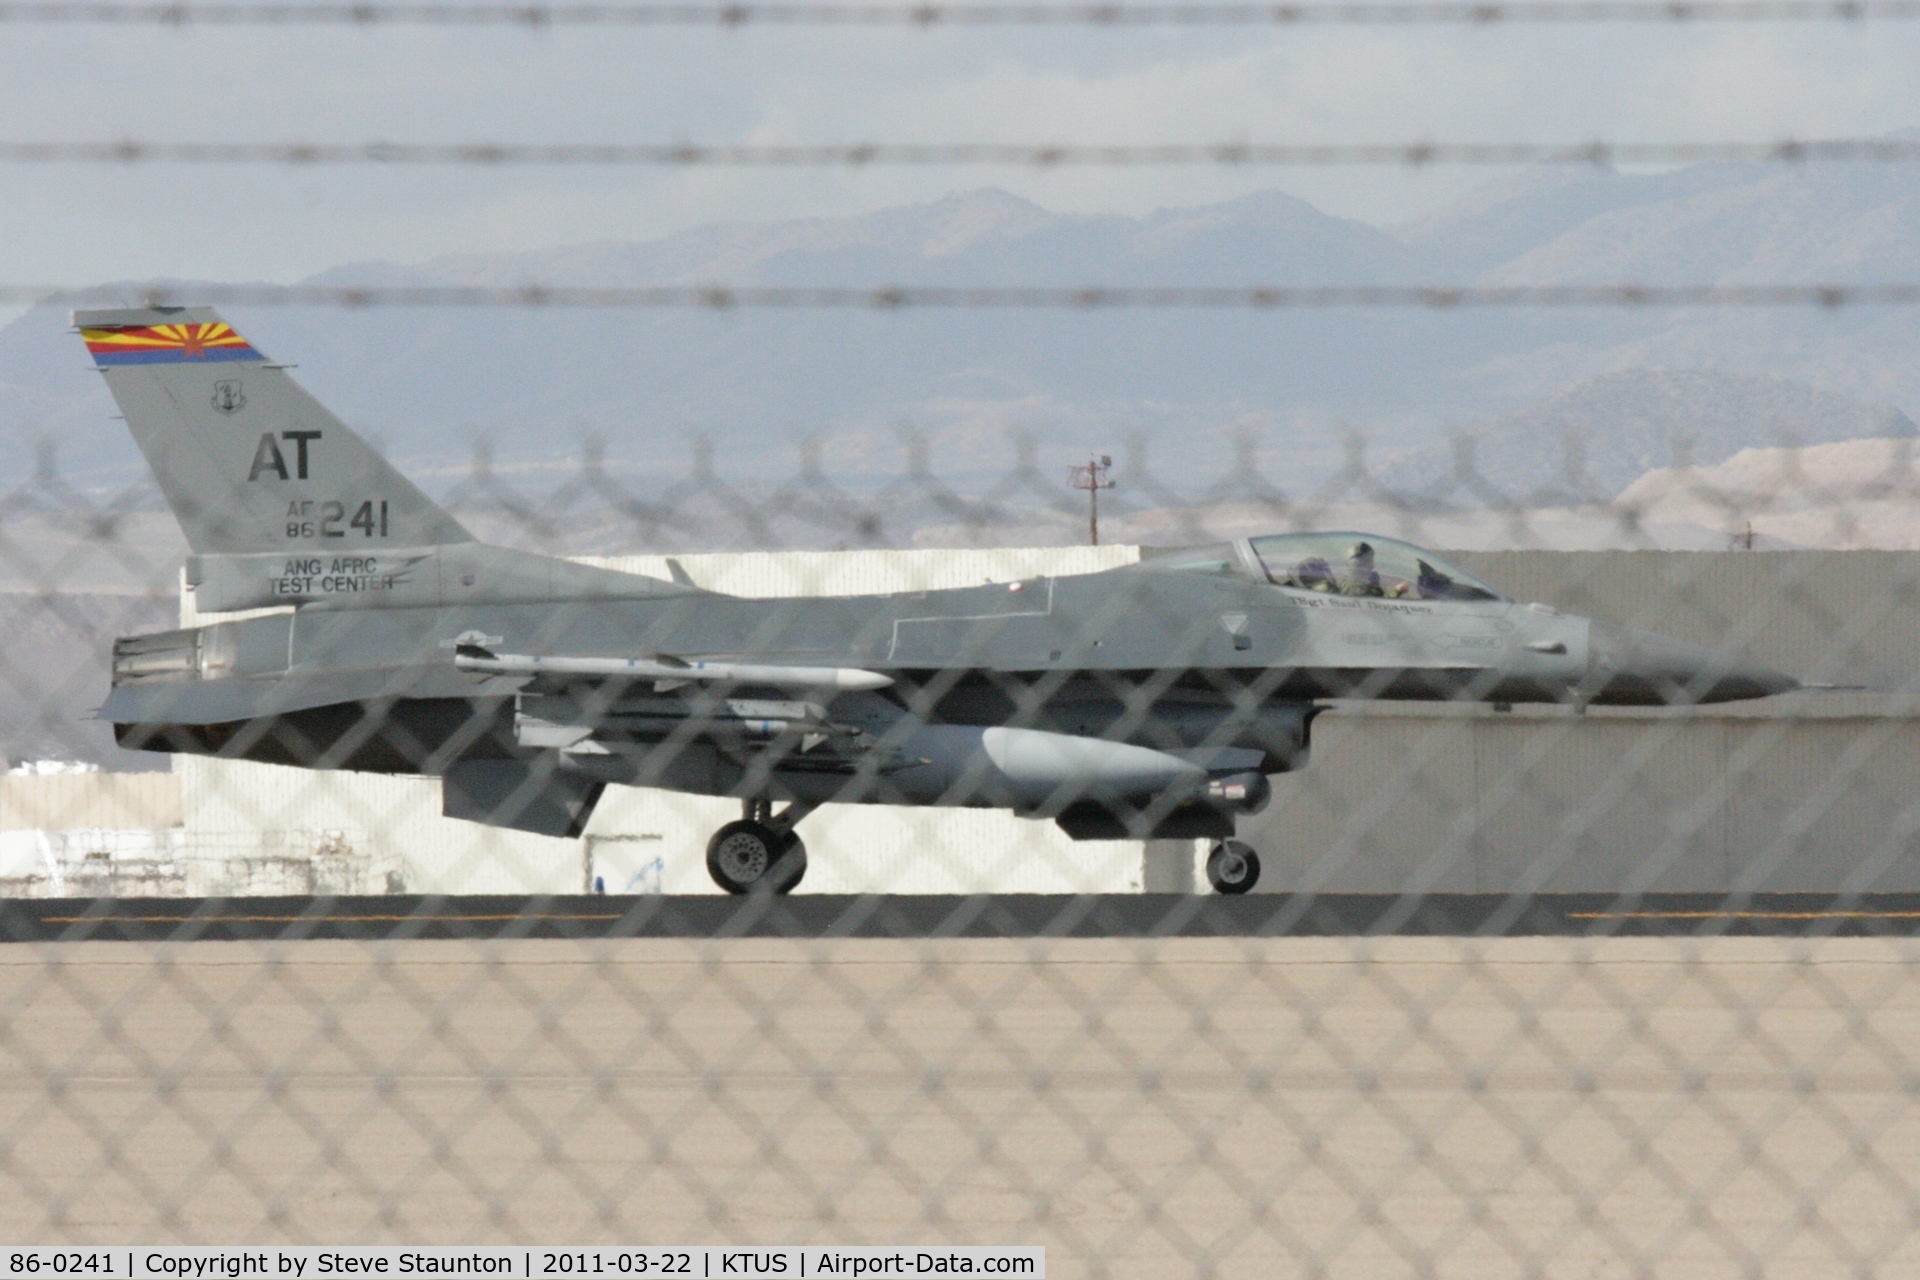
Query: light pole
pixel 1092 478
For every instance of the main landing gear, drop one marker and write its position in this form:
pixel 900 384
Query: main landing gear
pixel 1233 867
pixel 760 853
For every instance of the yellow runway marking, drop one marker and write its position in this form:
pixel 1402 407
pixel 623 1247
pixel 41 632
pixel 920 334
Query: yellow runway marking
pixel 1743 915
pixel 312 919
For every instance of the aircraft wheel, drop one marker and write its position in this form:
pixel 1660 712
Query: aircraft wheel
pixel 1233 867
pixel 792 864
pixel 748 857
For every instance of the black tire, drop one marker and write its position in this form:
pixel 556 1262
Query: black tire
pixel 792 865
pixel 1233 867
pixel 750 857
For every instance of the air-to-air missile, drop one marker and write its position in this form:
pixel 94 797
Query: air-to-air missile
pixel 1150 701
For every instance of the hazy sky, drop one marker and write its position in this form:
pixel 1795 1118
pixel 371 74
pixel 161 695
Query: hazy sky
pixel 77 224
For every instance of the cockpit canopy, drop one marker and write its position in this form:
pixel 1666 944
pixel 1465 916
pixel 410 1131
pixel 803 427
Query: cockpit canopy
pixel 1347 564
pixel 1360 564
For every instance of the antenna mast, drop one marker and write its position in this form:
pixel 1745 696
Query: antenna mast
pixel 1092 478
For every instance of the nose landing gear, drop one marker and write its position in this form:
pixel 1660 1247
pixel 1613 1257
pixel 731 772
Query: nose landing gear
pixel 760 853
pixel 1233 867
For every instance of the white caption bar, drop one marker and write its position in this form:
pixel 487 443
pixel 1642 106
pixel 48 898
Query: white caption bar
pixel 696 1262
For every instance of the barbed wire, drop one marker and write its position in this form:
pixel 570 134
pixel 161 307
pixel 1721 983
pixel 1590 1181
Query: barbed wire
pixel 1034 155
pixel 954 297
pixel 730 16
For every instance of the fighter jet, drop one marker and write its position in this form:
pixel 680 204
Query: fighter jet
pixel 1155 700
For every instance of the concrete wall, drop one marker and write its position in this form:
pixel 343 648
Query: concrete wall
pixel 126 834
pixel 120 800
pixel 1824 795
pixel 171 862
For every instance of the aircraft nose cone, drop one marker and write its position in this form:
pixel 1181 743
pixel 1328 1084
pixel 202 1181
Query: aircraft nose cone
pixel 1638 668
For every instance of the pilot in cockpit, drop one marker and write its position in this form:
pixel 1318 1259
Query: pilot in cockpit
pixel 1336 563
pixel 1362 578
pixel 1313 574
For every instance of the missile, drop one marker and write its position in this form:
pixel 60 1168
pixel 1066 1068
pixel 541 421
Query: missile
pixel 670 671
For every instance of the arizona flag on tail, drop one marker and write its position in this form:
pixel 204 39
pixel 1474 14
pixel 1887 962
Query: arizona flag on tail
pixel 168 344
pixel 250 463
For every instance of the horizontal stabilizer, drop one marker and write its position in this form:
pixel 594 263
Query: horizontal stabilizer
pixel 521 795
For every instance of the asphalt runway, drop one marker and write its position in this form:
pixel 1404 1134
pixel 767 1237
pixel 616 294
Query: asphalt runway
pixel 1343 1107
pixel 986 916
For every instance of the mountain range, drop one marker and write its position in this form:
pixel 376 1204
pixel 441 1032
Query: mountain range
pixel 1210 392
pixel 1593 440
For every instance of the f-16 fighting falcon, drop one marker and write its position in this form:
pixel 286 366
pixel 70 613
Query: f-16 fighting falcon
pixel 1154 700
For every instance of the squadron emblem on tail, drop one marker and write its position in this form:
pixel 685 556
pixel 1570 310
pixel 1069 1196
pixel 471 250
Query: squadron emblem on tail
pixel 228 397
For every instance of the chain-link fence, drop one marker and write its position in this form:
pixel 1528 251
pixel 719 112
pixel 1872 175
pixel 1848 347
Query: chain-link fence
pixel 1580 825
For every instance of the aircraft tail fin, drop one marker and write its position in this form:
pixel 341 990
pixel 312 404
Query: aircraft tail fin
pixel 248 460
